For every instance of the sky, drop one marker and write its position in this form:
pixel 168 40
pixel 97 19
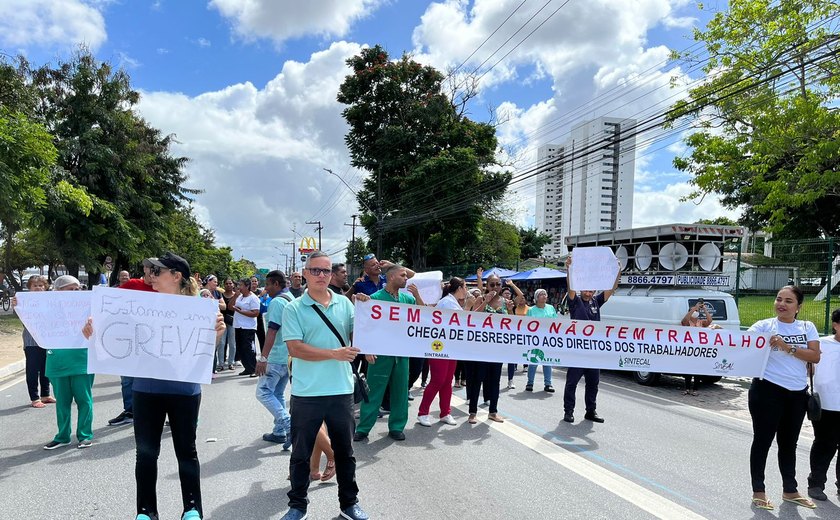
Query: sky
pixel 248 87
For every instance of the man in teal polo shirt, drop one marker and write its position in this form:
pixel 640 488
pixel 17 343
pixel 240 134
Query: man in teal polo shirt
pixel 272 363
pixel 389 372
pixel 322 386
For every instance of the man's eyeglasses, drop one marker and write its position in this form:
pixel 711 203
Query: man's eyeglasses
pixel 315 271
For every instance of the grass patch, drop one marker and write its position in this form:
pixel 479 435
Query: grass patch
pixel 753 308
pixel 10 324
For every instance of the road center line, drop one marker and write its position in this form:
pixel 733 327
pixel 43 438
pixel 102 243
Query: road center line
pixel 633 493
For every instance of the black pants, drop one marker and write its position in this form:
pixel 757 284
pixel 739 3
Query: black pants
pixel 260 332
pixel 511 370
pixel 36 366
pixel 245 349
pixel 776 412
pixel 483 375
pixel 308 413
pixel 573 375
pixel 826 444
pixel 150 412
pixel 460 374
pixel 691 381
pixel 416 366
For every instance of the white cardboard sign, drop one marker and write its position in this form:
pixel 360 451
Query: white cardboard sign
pixel 593 269
pixel 147 334
pixel 429 286
pixel 55 318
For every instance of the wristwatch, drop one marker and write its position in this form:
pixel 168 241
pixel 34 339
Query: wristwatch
pixel 792 350
pixel 262 359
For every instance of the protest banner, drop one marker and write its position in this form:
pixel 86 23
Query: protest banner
pixel 593 269
pixel 55 318
pixel 146 334
pixel 428 284
pixel 427 332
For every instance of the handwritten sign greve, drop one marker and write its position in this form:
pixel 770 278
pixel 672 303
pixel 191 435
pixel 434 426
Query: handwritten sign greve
pixel 146 334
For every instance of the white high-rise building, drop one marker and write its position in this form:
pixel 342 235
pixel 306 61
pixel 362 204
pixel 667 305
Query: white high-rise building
pixel 589 186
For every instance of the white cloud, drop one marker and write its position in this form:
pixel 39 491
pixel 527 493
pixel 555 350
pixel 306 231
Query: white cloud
pixel 203 42
pixel 280 21
pixel 651 208
pixel 259 154
pixel 127 62
pixel 51 23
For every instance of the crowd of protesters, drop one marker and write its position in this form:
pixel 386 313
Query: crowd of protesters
pixel 296 332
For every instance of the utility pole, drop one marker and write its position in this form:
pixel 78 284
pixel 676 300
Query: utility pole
pixel 352 244
pixel 319 228
pixel 292 243
pixel 379 212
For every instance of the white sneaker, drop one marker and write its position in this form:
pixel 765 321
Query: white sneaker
pixel 448 420
pixel 425 420
pixel 511 386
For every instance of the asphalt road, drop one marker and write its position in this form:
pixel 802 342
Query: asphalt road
pixel 655 457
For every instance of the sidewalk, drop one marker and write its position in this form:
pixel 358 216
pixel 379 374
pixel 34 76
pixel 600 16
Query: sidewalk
pixel 11 348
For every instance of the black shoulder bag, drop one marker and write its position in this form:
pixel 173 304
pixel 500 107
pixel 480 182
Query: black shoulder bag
pixel 814 402
pixel 360 386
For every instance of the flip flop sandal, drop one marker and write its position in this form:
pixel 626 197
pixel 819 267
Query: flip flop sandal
pixel 761 503
pixel 801 501
pixel 48 400
pixel 329 471
pixel 38 404
pixel 315 476
pixel 472 419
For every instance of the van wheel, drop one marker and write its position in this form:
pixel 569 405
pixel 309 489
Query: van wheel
pixel 710 380
pixel 646 378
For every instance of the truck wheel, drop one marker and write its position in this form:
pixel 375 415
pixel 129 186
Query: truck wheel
pixel 710 379
pixel 646 378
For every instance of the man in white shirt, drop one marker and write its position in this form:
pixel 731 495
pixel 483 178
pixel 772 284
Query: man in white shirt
pixel 246 309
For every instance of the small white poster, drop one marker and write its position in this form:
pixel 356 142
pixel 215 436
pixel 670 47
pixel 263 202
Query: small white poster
pixel 593 269
pixel 55 318
pixel 147 334
pixel 429 286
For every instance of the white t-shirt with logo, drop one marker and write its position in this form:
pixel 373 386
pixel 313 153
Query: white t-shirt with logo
pixel 782 368
pixel 246 303
pixel 827 374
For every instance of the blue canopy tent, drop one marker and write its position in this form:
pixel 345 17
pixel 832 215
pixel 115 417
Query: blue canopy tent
pixel 540 273
pixel 498 271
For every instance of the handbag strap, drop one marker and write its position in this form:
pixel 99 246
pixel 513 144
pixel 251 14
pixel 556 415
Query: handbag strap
pixel 810 368
pixel 334 331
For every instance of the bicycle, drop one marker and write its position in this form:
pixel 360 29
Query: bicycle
pixel 5 300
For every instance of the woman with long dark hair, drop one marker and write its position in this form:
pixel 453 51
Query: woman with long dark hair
pixel 157 399
pixel 778 401
pixel 443 370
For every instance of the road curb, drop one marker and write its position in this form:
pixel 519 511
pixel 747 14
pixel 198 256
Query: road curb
pixel 12 369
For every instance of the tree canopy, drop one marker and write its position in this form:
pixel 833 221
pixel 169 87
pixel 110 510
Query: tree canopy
pixel 431 170
pixel 767 136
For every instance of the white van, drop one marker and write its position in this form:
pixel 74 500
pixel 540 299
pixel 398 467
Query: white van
pixel 668 306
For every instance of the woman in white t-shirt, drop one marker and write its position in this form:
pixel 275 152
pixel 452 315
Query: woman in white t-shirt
pixel 778 402
pixel 827 429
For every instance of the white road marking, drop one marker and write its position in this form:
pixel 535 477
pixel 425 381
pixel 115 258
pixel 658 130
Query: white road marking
pixel 625 489
pixel 12 383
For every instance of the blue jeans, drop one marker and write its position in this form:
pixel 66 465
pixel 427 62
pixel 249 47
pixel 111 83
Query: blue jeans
pixel 229 340
pixel 270 390
pixel 126 383
pixel 532 372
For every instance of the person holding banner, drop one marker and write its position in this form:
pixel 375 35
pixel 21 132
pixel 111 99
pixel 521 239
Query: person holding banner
pixel 36 357
pixel 584 306
pixel 228 338
pixel 541 310
pixel 157 399
pixel 778 402
pixel 827 428
pixel 388 372
pixel 67 370
pixel 481 375
pixel 317 329
pixel 443 370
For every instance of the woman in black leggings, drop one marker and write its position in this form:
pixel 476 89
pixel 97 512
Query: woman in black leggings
pixel 778 402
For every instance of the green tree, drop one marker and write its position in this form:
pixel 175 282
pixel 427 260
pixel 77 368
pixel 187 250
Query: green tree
pixel 768 128
pixel 532 242
pixel 26 156
pixel 242 268
pixel 430 182
pixel 717 221
pixel 499 244
pixel 114 157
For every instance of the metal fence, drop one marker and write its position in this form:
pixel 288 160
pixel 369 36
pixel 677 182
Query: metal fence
pixel 763 267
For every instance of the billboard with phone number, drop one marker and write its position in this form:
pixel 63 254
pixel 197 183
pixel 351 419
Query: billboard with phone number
pixel 705 280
